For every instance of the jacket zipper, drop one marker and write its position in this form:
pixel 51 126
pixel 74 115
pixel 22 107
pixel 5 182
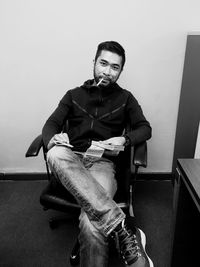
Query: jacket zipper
pixel 96 112
pixel 92 123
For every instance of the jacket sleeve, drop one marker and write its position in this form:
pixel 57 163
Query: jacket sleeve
pixel 140 127
pixel 56 121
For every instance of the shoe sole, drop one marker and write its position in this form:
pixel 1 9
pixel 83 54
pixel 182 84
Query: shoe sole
pixel 143 241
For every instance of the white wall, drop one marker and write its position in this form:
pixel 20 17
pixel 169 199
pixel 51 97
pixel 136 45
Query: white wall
pixel 47 47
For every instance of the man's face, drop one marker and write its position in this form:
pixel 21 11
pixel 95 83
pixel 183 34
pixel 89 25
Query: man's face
pixel 107 66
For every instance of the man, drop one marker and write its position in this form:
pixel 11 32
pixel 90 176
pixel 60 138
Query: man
pixel 98 110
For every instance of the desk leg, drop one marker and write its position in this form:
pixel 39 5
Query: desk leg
pixel 185 228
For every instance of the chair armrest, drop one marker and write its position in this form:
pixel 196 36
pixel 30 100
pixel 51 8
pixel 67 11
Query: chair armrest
pixel 35 147
pixel 140 155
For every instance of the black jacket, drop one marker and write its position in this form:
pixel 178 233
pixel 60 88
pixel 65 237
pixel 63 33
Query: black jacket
pixel 95 113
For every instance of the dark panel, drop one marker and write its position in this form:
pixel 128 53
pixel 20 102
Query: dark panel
pixel 189 105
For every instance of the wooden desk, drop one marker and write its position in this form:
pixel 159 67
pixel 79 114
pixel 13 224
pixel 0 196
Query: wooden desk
pixel 185 249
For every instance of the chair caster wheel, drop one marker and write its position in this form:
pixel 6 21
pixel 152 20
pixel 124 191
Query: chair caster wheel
pixel 53 224
pixel 75 254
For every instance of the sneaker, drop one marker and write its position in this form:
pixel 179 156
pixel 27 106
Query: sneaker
pixel 130 243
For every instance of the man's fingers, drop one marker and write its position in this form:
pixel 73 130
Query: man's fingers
pixel 61 137
pixel 114 141
pixel 106 142
pixel 65 135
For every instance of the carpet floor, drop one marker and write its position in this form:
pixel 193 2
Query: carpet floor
pixel 28 241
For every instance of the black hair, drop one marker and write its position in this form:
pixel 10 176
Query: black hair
pixel 111 46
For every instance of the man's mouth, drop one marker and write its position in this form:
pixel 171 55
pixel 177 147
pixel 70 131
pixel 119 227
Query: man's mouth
pixel 103 81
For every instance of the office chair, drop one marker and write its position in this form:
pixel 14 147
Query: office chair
pixel 56 197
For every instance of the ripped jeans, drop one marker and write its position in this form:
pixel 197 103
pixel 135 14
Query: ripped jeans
pixel 92 182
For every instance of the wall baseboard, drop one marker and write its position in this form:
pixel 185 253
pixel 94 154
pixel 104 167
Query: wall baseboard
pixel 158 176
pixel 23 176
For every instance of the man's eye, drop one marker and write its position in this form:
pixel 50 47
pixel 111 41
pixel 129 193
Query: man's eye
pixel 103 63
pixel 115 68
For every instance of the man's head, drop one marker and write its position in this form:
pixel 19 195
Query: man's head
pixel 109 62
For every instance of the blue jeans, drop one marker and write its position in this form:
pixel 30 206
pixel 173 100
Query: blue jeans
pixel 92 182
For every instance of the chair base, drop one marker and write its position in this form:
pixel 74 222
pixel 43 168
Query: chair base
pixel 75 254
pixel 55 222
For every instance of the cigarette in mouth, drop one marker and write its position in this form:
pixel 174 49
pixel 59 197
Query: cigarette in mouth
pixel 99 81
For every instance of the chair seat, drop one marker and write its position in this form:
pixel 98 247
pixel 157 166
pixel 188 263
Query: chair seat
pixel 58 198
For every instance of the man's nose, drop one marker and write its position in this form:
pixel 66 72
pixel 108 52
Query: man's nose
pixel 107 70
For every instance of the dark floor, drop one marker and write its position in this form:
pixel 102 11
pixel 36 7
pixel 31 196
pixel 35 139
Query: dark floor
pixel 27 240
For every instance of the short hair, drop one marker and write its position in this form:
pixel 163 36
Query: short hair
pixel 111 46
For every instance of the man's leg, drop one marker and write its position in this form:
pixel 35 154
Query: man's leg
pixel 101 210
pixel 93 244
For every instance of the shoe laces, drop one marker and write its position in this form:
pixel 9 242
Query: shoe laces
pixel 128 244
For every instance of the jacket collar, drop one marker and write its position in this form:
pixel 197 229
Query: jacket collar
pixel 89 85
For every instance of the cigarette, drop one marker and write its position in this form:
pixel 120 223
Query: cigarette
pixel 99 81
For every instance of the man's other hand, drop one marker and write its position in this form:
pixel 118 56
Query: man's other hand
pixel 119 141
pixel 61 138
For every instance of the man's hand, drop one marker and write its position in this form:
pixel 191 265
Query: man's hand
pixel 58 138
pixel 120 141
